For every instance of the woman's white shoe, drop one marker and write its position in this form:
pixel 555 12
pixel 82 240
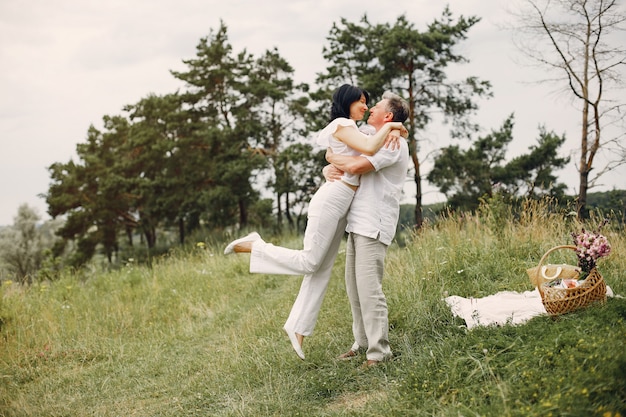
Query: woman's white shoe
pixel 294 342
pixel 252 237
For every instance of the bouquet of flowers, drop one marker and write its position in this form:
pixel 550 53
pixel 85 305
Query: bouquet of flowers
pixel 590 246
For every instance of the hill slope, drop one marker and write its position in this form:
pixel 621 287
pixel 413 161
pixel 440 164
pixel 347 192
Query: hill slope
pixel 197 335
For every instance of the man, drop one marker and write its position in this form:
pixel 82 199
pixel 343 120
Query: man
pixel 372 222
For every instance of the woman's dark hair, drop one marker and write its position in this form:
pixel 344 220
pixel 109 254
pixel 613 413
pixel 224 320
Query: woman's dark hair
pixel 343 97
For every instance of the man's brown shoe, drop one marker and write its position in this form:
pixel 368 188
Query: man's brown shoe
pixel 348 355
pixel 370 364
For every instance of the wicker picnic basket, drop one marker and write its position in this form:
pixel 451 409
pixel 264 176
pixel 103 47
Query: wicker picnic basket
pixel 564 300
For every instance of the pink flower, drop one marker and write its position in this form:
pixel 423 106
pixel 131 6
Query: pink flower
pixel 590 246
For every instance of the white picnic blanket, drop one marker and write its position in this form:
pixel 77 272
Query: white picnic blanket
pixel 505 307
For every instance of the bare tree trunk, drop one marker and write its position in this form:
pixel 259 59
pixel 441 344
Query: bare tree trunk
pixel 581 202
pixel 583 186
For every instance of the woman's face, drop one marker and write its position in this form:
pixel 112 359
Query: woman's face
pixel 358 109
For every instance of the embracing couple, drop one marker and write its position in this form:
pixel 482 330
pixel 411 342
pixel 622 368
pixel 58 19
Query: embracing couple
pixel 361 196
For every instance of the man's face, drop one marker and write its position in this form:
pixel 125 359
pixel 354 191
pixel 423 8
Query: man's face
pixel 379 114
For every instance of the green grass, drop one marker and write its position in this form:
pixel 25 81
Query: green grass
pixel 196 335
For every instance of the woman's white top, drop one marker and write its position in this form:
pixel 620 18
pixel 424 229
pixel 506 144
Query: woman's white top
pixel 327 139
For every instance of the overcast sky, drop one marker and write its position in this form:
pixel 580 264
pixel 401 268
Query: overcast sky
pixel 66 63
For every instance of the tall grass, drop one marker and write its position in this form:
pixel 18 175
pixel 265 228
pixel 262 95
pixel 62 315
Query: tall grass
pixel 195 334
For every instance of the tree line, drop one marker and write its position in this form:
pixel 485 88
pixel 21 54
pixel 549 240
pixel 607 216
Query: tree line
pixel 203 156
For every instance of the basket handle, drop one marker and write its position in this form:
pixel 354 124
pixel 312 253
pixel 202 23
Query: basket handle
pixel 545 255
pixel 540 267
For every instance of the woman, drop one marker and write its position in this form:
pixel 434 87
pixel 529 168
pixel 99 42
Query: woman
pixel 326 217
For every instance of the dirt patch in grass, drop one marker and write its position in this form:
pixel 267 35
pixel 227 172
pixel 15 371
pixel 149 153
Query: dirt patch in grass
pixel 352 401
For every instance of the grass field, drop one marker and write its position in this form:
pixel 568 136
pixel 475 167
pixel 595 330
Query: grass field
pixel 195 334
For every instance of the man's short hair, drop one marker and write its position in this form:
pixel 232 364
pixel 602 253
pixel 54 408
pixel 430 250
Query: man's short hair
pixel 396 105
